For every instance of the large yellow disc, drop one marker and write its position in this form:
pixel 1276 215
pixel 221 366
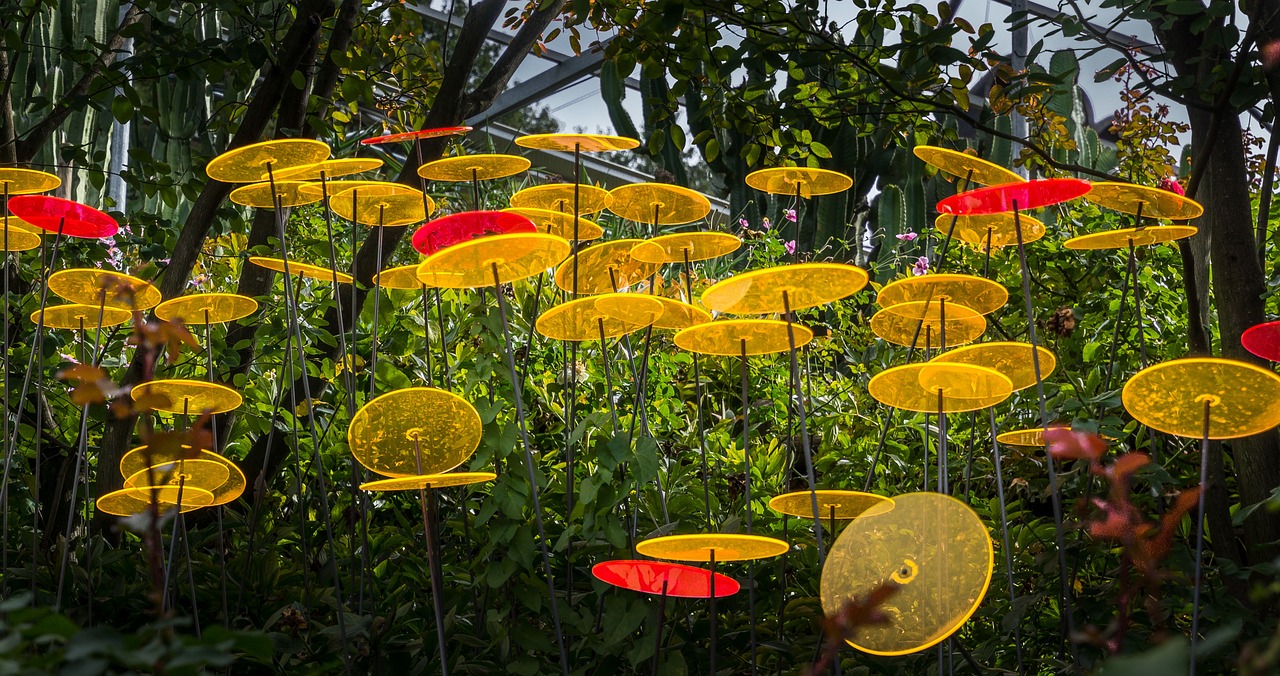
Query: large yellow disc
pixel 977 293
pixel 1242 399
pixel 331 188
pixel 1123 238
pixel 473 167
pixel 700 547
pixel 831 504
pixel 998 230
pixel 300 269
pixel 1154 202
pixel 414 431
pixel 76 316
pixel 1011 359
pixel 920 325
pixel 608 315
pixel 686 247
pixel 345 166
pixel 290 194
pixel 15 181
pixel 605 267
pixel 15 223
pixel 404 278
pixel 188 397
pixel 559 197
pixel 777 289
pixel 964 165
pixel 492 260
pixel 14 240
pixel 207 308
pixel 91 286
pixel 677 315
pixel 916 387
pixel 560 224
pixel 388 204
pixel 142 457
pixel 413 483
pixel 132 501
pixel 658 203
pixel 733 337
pixel 250 164
pixel 587 143
pixel 805 181
pixel 937 553
pixel 210 472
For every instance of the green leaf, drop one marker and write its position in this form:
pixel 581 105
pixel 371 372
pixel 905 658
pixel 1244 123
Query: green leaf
pixel 122 110
pixel 1167 659
pixel 820 150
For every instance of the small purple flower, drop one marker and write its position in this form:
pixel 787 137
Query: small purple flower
pixel 790 215
pixel 744 223
pixel 765 224
pixel 907 237
pixel 69 357
pixel 790 247
pixel 921 267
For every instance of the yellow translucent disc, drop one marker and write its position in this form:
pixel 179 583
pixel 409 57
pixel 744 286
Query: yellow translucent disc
pixel 790 180
pixel 919 325
pixel 961 164
pixel 75 316
pixel 914 387
pixel 975 229
pixel 331 188
pixel 131 501
pixel 14 240
pixel 207 308
pixel 190 397
pixel 587 143
pixel 477 167
pixel 677 315
pixel 803 284
pixel 258 195
pixel 1170 397
pixel 404 278
pixel 1154 202
pixel 413 483
pixel 560 223
pixel 300 269
pixel 977 293
pixel 603 265
pixel 249 164
pixel 475 263
pixel 937 552
pixel 382 433
pixel 728 337
pixel 831 504
pixel 699 547
pixel 327 169
pixel 686 246
pixel 559 197
pixel 1013 360
pixel 658 203
pixel 215 474
pixel 614 314
pixel 388 204
pixel 15 223
pixel 17 181
pixel 91 286
pixel 142 457
pixel 1028 437
pixel 1122 238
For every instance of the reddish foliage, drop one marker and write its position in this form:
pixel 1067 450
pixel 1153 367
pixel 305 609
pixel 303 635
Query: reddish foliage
pixel 844 623
pixel 1065 443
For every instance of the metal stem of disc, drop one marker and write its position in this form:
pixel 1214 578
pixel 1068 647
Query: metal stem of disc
pixel 1054 492
pixel 986 255
pixel 1204 487
pixel 444 342
pixel 1004 532
pixel 1115 338
pixel 608 377
pixel 1137 307
pixel 712 561
pixel 191 579
pixel 577 189
pixel 746 457
pixel 475 188
pixel 213 428
pixel 529 466
pixel 377 304
pixel 697 397
pixel 8 268
pixel 946 244
pixel 662 617
pixel 426 334
pixel 804 427
pixel 173 544
pixel 426 499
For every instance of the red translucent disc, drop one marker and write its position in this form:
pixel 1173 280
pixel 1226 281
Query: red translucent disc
pixel 1021 196
pixel 1263 340
pixel 688 582
pixel 443 233
pixel 74 218
pixel 415 135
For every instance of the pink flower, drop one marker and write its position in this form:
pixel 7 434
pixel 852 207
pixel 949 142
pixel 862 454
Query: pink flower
pixel 743 223
pixel 790 215
pixel 765 224
pixel 907 237
pixel 790 247
pixel 921 267
pixel 1172 185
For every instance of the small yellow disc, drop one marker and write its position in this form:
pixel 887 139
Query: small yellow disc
pixel 331 188
pixel 658 203
pixel 249 164
pixel 805 181
pixel 1128 198
pixel 388 204
pixel 404 278
pixel 15 223
pixel 188 397
pixel 1170 397
pixel 686 246
pixel 976 293
pixel 964 165
pixel 678 316
pixel 587 143
pixel 1013 360
pixel 76 316
pixel 915 387
pixel 132 501
pixel 700 547
pixel 920 325
pixel 258 195
pixel 605 267
pixel 91 286
pixel 142 457
pixel 473 167
pixel 493 260
pixel 731 337
pixel 413 483
pixel 300 269
pixel 328 169
pixel 999 229
pixel 211 472
pixel 207 308
pixel 608 315
pixel 413 432
pixel 14 240
pixel 1030 438
pixel 831 504
pixel 1124 237
pixel 17 181
pixel 777 289
pixel 559 197
pixel 560 223
pixel 936 550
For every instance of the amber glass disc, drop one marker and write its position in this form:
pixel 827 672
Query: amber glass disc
pixel 1029 438
pixel 1127 198
pixel 346 166
pixel 1170 397
pixel 914 387
pixel 14 240
pixel 614 314
pixel 809 182
pixel 436 132
pixel 207 308
pixel 331 188
pixel 131 501
pixel 249 164
pixel 686 246
pixel 382 432
pixel 559 197
pixel 727 337
pixel 472 264
pixel 91 286
pixel 446 231
pixel 388 204
pixel 17 181
pixel 1010 196
pixel 404 278
pixel 477 167
pixel 919 325
pixel 1011 359
pixel 142 457
pixel 678 316
pixel 976 293
pixel 75 316
pixel 662 577
pixel 258 195
pixel 843 504
pixel 804 285
pixel 55 214
pixel 300 269
pixel 587 143
pixel 974 230
pixel 190 397
pixel 413 483
pixel 197 473
pixel 604 264
pixel 1122 238
pixel 699 547
pixel 560 223
pixel 658 203
pixel 14 223
pixel 938 552
pixel 964 165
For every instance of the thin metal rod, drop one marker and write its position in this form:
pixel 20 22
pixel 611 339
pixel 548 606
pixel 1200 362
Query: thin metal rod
pixel 946 244
pixel 608 378
pixel 377 304
pixel 173 543
pixel 712 561
pixel 1115 338
pixel 191 580
pixel 1004 532
pixel 217 448
pixel 1204 487
pixel 746 456
pixel 662 617
pixel 804 428
pixel 426 500
pixel 697 399
pixel 444 342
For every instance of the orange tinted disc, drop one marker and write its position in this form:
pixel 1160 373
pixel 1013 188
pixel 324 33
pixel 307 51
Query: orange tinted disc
pixel 131 501
pixel 915 387
pixel 299 269
pixel 977 293
pixel 473 167
pixel 831 504
pixel 404 278
pixel 12 239
pixel 413 483
pixel 920 325
pixel 207 308
pixel 605 267
pixel 1170 397
pixel 328 169
pixel 1122 238
pixel 190 397
pixel 658 203
pixel 1154 202
pixel 686 246
pixel 250 164
pixel 17 181
pixel 413 432
pixel 560 224
pixel 196 473
pixel 803 180
pixel 76 316
pixel 388 204
pixel 15 223
pixel 700 547
pixel 559 197
pixel 143 457
pixel 1032 437
pixel 290 194
pixel 1011 359
pixel 492 260
pixel 776 289
pixel 964 165
pixel 587 143
pixel 937 553
pixel 677 315
pixel 331 188
pixel 731 337
pixel 91 286
pixel 595 317
pixel 997 229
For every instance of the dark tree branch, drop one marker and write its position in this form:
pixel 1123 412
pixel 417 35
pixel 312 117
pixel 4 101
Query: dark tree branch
pixel 327 77
pixel 500 74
